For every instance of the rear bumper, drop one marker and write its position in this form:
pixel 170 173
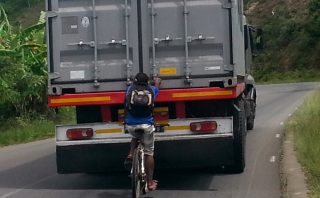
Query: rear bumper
pixel 170 152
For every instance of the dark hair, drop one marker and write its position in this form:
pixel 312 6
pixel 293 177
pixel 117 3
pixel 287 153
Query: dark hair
pixel 141 78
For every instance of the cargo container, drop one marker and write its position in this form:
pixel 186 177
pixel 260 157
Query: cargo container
pixel 201 49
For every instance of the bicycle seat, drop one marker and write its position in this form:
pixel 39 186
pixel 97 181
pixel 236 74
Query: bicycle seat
pixel 160 127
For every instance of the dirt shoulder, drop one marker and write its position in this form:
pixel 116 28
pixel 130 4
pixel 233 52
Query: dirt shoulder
pixel 293 178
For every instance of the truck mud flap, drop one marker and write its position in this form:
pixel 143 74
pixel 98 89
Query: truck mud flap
pixel 186 153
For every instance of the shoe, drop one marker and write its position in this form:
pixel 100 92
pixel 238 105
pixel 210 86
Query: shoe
pixel 152 185
pixel 128 163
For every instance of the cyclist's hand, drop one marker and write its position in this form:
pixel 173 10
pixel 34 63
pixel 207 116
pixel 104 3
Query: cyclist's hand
pixel 157 81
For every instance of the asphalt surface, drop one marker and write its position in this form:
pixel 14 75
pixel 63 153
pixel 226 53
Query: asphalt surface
pixel 29 170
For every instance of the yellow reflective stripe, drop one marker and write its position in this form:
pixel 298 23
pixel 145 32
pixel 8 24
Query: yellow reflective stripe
pixel 106 131
pixel 120 130
pixel 161 109
pixel 75 100
pixel 173 128
pixel 168 70
pixel 162 122
pixel 121 111
pixel 156 109
pixel 202 94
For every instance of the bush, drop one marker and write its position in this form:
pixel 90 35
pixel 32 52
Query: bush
pixel 22 69
pixel 14 7
pixel 313 27
pixel 292 40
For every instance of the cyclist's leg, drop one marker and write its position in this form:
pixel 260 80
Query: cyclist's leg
pixel 135 137
pixel 133 146
pixel 148 142
pixel 149 163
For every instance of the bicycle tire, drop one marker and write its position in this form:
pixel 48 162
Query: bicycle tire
pixel 136 188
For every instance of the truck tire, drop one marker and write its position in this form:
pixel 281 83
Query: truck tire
pixel 239 142
pixel 252 109
pixel 250 121
pixel 88 114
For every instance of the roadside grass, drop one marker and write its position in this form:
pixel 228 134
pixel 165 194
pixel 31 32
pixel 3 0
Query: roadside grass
pixel 273 77
pixel 306 128
pixel 24 129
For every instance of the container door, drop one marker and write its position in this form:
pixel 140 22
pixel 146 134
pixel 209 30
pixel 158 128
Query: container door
pixel 187 40
pixel 96 43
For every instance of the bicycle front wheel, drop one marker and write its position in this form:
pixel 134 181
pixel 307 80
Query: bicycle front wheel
pixel 136 184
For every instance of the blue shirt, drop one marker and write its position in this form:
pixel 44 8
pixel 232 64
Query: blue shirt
pixel 131 120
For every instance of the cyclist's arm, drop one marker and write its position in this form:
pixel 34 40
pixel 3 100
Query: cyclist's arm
pixel 155 91
pixel 156 84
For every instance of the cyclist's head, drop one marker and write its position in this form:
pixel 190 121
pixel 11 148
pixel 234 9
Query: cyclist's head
pixel 141 78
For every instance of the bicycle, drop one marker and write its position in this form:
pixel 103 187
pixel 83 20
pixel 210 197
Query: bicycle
pixel 138 172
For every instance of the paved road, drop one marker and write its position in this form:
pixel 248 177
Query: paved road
pixel 28 171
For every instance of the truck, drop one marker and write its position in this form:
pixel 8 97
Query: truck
pixel 202 51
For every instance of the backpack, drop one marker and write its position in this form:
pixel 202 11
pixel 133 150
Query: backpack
pixel 140 100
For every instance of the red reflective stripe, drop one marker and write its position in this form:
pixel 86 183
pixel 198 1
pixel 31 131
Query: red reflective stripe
pixel 165 95
pixel 86 99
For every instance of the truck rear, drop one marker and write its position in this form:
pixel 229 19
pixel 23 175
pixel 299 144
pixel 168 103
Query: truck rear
pixel 201 49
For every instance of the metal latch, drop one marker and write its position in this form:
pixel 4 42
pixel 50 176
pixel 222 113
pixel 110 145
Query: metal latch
pixel 167 38
pixel 82 44
pixel 200 37
pixel 115 42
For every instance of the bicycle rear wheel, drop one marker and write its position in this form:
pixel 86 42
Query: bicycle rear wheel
pixel 136 184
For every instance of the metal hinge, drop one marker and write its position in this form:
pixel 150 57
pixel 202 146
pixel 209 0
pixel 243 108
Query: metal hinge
pixel 227 4
pixel 51 14
pixel 228 67
pixel 53 76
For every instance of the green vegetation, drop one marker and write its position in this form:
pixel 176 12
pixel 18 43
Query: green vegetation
pixel 24 113
pixel 306 127
pixel 22 69
pixel 23 12
pixel 24 129
pixel 291 32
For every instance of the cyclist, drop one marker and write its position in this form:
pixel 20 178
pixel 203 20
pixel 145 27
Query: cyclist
pixel 139 104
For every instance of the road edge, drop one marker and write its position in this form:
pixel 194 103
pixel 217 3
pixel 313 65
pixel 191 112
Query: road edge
pixel 293 179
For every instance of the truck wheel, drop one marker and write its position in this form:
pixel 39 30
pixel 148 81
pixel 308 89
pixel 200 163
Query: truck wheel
pixel 239 131
pixel 250 121
pixel 252 109
pixel 88 114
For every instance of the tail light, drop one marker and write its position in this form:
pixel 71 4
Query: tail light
pixel 206 127
pixel 80 133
